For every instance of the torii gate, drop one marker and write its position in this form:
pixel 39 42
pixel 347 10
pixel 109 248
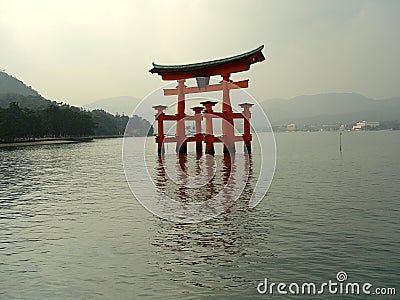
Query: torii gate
pixel 202 72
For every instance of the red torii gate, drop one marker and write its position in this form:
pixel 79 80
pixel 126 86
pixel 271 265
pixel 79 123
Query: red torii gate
pixel 202 72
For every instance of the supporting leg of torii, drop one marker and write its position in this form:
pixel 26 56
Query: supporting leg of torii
pixel 228 131
pixel 181 144
pixel 199 136
pixel 160 128
pixel 208 115
pixel 246 126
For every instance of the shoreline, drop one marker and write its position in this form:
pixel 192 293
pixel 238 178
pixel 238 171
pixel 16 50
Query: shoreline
pixel 32 143
pixel 46 141
pixel 55 141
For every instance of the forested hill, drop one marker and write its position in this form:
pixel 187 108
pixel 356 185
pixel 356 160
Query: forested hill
pixel 11 85
pixel 25 102
pixel 31 116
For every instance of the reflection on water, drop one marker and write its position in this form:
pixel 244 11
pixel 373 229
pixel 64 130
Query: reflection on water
pixel 203 185
pixel 217 255
pixel 188 188
pixel 213 254
pixel 197 178
pixel 71 229
pixel 194 188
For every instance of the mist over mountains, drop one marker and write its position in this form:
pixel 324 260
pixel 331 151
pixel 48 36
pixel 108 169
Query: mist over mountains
pixel 331 108
pixel 121 105
pixel 327 108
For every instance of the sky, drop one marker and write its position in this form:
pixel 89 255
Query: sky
pixel 81 51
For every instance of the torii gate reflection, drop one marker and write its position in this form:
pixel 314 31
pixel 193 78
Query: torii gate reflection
pixel 213 176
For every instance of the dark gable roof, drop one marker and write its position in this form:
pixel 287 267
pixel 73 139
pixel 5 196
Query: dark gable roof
pixel 236 63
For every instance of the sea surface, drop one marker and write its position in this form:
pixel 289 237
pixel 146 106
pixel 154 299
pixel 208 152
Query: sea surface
pixel 70 227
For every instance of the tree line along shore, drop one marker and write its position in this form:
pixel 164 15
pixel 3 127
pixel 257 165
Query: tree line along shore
pixel 29 118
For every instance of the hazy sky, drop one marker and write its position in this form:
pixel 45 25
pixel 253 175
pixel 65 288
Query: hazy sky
pixel 81 51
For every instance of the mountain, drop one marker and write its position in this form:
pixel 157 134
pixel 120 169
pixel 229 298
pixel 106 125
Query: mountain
pixel 327 108
pixel 126 105
pixel 11 85
pixel 24 114
pixel 330 108
pixel 30 102
pixel 14 90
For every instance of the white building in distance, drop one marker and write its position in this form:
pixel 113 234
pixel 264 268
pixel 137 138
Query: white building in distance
pixel 361 125
pixel 291 127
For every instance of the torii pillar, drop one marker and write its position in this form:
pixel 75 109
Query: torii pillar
pixel 181 144
pixel 208 115
pixel 199 136
pixel 160 128
pixel 228 132
pixel 246 126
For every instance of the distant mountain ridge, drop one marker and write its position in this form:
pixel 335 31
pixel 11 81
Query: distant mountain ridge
pixel 122 105
pixel 330 108
pixel 326 108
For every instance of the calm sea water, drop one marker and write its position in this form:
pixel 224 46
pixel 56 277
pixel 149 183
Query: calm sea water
pixel 71 229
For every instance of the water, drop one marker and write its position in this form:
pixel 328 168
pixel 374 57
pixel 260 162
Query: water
pixel 70 229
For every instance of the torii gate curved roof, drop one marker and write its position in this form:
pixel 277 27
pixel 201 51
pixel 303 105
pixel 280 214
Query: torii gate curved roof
pixel 223 66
